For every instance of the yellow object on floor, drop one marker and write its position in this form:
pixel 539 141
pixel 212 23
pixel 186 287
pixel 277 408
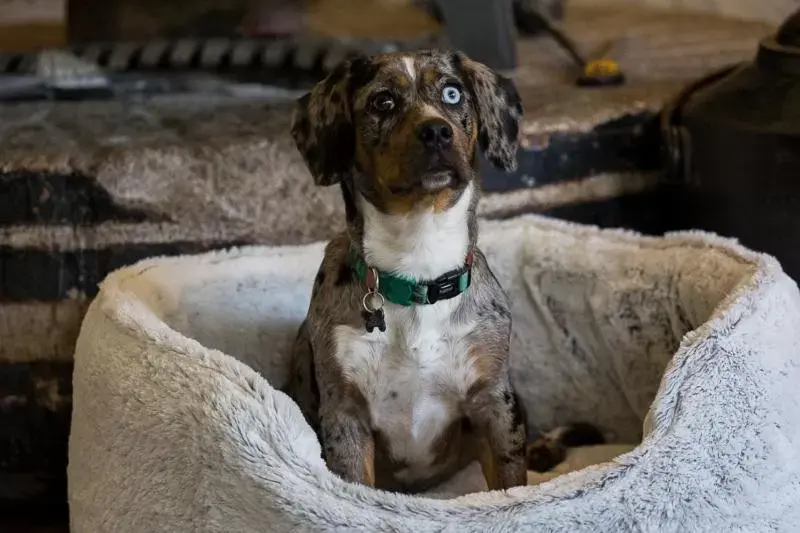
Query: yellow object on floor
pixel 601 72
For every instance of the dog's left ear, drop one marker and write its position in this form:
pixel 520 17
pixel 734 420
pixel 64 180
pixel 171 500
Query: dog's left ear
pixel 499 110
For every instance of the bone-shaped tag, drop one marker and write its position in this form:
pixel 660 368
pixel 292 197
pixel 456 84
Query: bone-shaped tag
pixel 374 319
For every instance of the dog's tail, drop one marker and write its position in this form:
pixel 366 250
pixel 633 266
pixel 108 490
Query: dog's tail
pixel 550 449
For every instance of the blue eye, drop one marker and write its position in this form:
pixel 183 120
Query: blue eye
pixel 451 95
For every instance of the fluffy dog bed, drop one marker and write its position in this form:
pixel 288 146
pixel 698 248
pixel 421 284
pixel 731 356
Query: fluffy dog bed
pixel 688 344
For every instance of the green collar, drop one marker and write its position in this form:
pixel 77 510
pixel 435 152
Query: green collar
pixel 402 290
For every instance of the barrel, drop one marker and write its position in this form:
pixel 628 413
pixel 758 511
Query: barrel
pixel 734 149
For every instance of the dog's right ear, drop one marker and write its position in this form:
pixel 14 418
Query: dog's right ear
pixel 322 127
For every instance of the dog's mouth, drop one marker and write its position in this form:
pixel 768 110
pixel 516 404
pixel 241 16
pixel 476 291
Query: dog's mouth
pixel 440 172
pixel 430 176
pixel 438 180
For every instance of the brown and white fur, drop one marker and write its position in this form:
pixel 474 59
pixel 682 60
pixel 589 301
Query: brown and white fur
pixel 406 408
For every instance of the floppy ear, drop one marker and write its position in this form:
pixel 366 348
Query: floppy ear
pixel 499 111
pixel 322 127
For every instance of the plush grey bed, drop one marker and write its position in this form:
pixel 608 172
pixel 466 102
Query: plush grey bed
pixel 688 345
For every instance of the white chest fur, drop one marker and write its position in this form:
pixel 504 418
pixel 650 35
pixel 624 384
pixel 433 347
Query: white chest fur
pixel 415 375
pixel 420 244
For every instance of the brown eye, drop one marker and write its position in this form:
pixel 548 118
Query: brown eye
pixel 383 102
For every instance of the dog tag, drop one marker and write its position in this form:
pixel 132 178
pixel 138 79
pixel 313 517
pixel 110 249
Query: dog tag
pixel 374 319
pixel 372 304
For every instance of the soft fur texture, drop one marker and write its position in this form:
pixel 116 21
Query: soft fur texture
pixel 689 342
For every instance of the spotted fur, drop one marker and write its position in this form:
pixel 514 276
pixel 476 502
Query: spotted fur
pixel 340 137
pixel 406 408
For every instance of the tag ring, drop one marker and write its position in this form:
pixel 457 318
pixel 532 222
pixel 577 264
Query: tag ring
pixel 373 291
pixel 367 304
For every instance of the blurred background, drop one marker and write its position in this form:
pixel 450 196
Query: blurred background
pixel 32 24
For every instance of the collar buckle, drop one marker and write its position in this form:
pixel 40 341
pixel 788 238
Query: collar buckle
pixel 447 286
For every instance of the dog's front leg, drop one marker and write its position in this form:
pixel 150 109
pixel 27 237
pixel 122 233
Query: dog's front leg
pixel 348 440
pixel 497 415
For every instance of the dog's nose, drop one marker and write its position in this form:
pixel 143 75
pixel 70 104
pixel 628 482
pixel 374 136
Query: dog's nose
pixel 435 134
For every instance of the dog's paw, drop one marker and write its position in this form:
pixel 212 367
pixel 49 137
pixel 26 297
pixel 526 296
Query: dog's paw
pixel 546 452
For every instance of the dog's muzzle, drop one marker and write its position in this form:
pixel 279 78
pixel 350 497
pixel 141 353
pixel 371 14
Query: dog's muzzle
pixel 436 139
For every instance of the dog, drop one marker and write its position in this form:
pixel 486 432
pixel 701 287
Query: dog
pixel 401 365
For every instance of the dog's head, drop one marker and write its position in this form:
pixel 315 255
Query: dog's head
pixel 405 128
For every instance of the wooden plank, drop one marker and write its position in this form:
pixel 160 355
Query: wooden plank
pixel 31 37
pixel 213 52
pixel 153 53
pixel 243 53
pixel 28 25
